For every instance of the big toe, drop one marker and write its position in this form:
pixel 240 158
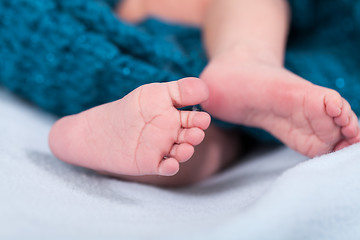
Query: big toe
pixel 188 91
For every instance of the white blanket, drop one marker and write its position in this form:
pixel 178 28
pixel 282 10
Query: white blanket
pixel 273 194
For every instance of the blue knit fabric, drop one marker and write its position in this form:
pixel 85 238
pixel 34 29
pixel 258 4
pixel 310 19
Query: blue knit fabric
pixel 69 55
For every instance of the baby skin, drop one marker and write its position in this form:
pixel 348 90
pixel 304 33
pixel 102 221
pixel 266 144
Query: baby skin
pixel 144 137
pixel 310 119
pixel 145 134
pixel 141 134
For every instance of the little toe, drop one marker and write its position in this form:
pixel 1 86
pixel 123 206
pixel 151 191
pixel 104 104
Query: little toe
pixel 347 142
pixel 168 167
pixel 333 103
pixel 190 119
pixel 188 91
pixel 344 118
pixel 193 136
pixel 352 129
pixel 182 152
pixel 355 139
pixel 341 145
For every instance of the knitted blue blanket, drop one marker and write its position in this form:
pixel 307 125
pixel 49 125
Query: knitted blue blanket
pixel 69 55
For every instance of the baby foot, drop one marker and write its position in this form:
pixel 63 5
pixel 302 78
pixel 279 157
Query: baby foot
pixel 141 134
pixel 312 120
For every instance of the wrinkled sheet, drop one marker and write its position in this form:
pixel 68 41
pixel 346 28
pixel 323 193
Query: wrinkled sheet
pixel 272 194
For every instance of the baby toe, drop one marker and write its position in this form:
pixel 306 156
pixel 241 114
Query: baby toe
pixel 344 118
pixel 341 145
pixel 190 119
pixel 182 152
pixel 352 129
pixel 193 136
pixel 188 91
pixel 347 142
pixel 168 167
pixel 355 139
pixel 333 103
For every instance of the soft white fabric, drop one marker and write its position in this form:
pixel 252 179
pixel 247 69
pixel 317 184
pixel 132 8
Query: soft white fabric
pixel 273 194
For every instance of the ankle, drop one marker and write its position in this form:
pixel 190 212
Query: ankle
pixel 132 10
pixel 248 53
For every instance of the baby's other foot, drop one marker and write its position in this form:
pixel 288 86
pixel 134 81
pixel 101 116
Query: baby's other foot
pixel 318 120
pixel 312 120
pixel 141 134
